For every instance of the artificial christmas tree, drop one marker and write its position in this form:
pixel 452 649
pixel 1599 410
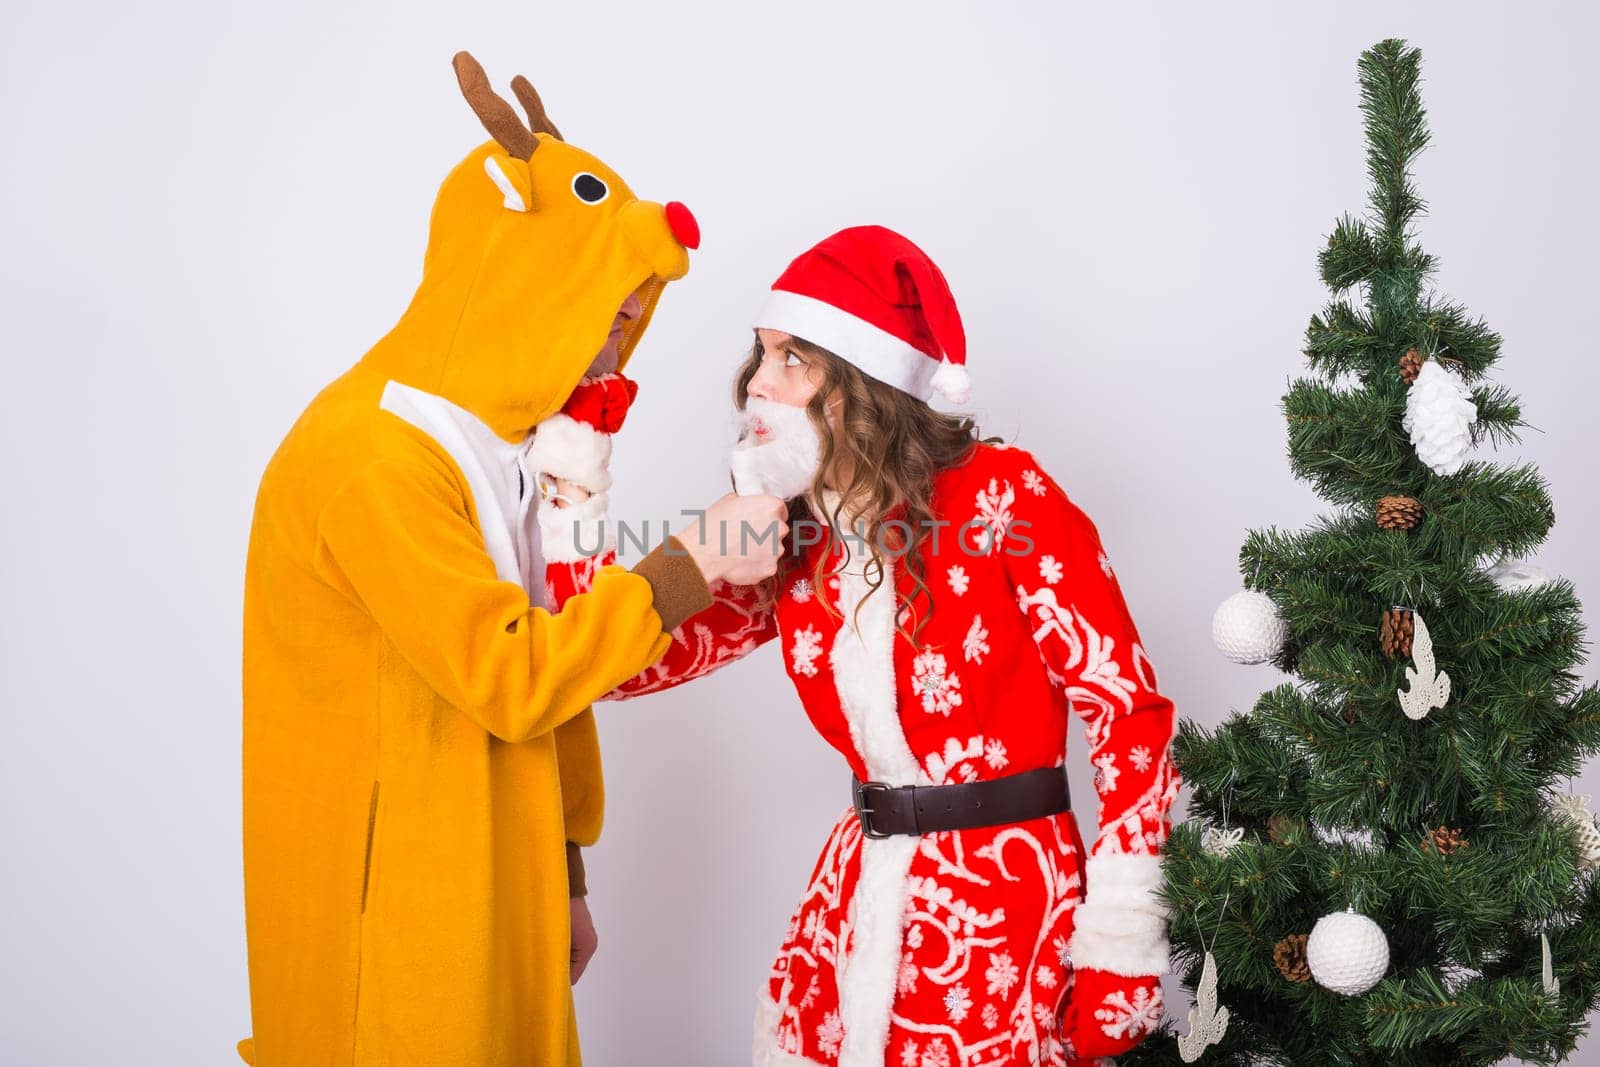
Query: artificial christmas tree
pixel 1461 731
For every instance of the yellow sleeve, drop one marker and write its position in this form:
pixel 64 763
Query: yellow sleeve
pixel 582 791
pixel 397 537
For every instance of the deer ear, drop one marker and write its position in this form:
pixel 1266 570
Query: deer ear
pixel 510 179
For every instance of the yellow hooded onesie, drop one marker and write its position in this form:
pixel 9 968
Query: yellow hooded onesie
pixel 418 749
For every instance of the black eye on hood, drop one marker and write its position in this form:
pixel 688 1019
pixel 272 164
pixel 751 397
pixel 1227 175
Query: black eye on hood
pixel 589 189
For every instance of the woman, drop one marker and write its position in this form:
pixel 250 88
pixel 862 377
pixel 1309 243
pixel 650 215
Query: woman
pixel 942 606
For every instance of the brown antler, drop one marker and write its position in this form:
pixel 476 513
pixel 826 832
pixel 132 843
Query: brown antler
pixel 538 119
pixel 497 116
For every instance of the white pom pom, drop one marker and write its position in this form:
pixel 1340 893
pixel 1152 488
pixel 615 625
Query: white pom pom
pixel 1347 953
pixel 1247 627
pixel 1439 417
pixel 951 381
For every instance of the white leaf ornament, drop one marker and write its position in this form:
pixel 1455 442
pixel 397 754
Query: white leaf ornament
pixel 1429 688
pixel 1208 1021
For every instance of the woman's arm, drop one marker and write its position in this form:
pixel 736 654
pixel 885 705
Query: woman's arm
pixel 1091 649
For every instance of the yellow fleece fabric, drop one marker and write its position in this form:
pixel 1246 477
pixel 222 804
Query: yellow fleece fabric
pixel 418 748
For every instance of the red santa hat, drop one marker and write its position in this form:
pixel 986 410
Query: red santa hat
pixel 870 296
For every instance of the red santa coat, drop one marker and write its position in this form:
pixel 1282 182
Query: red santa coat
pixel 962 947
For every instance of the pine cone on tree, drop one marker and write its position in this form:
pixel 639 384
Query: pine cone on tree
pixel 1399 512
pixel 1290 956
pixel 1444 841
pixel 1410 366
pixel 1394 636
pixel 1280 829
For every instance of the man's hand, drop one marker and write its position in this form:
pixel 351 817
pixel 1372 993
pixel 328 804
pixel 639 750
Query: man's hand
pixel 584 939
pixel 738 539
pixel 565 491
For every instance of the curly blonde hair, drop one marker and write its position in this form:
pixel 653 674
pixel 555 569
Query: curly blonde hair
pixel 892 444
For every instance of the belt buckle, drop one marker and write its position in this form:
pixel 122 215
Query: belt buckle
pixel 863 811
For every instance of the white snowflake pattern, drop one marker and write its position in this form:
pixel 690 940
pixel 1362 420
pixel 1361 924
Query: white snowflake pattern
pixel 991 1016
pixel 807 647
pixel 914 937
pixel 957 1003
pixel 1105 563
pixel 1060 945
pixel 1044 977
pixel 801 590
pixel 830 1034
pixel 1106 772
pixel 1033 481
pixel 937 1054
pixel 908 1054
pixel 1140 755
pixel 976 644
pixel 994 754
pixel 939 687
pixel 1122 1019
pixel 993 519
pixel 907 981
pixel 1001 975
pixel 1049 569
pixel 957 576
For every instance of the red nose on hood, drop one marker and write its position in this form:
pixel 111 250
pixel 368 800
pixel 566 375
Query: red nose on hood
pixel 683 225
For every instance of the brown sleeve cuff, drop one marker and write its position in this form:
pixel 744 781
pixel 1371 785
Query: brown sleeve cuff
pixel 680 589
pixel 577 886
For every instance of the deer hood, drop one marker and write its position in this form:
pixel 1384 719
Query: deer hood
pixel 533 245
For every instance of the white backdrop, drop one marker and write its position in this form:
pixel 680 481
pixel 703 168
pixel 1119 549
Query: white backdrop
pixel 212 209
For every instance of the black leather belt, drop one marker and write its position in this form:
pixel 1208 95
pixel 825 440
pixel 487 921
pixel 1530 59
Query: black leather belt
pixel 886 810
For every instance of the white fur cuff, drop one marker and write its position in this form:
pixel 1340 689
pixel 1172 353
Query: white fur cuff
pixel 577 531
pixel 566 448
pixel 766 1052
pixel 1121 927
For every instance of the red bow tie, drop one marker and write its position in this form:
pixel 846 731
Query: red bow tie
pixel 602 402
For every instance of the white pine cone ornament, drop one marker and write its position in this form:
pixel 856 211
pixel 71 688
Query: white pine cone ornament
pixel 1439 417
pixel 1348 953
pixel 1247 627
pixel 1575 810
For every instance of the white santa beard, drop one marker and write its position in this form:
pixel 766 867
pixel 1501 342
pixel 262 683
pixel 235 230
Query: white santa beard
pixel 785 464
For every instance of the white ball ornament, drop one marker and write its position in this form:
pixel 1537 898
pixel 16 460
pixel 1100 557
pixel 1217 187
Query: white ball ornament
pixel 1247 627
pixel 1574 810
pixel 1515 575
pixel 1348 953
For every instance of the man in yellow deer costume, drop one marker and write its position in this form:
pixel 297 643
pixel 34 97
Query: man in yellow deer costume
pixel 420 759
